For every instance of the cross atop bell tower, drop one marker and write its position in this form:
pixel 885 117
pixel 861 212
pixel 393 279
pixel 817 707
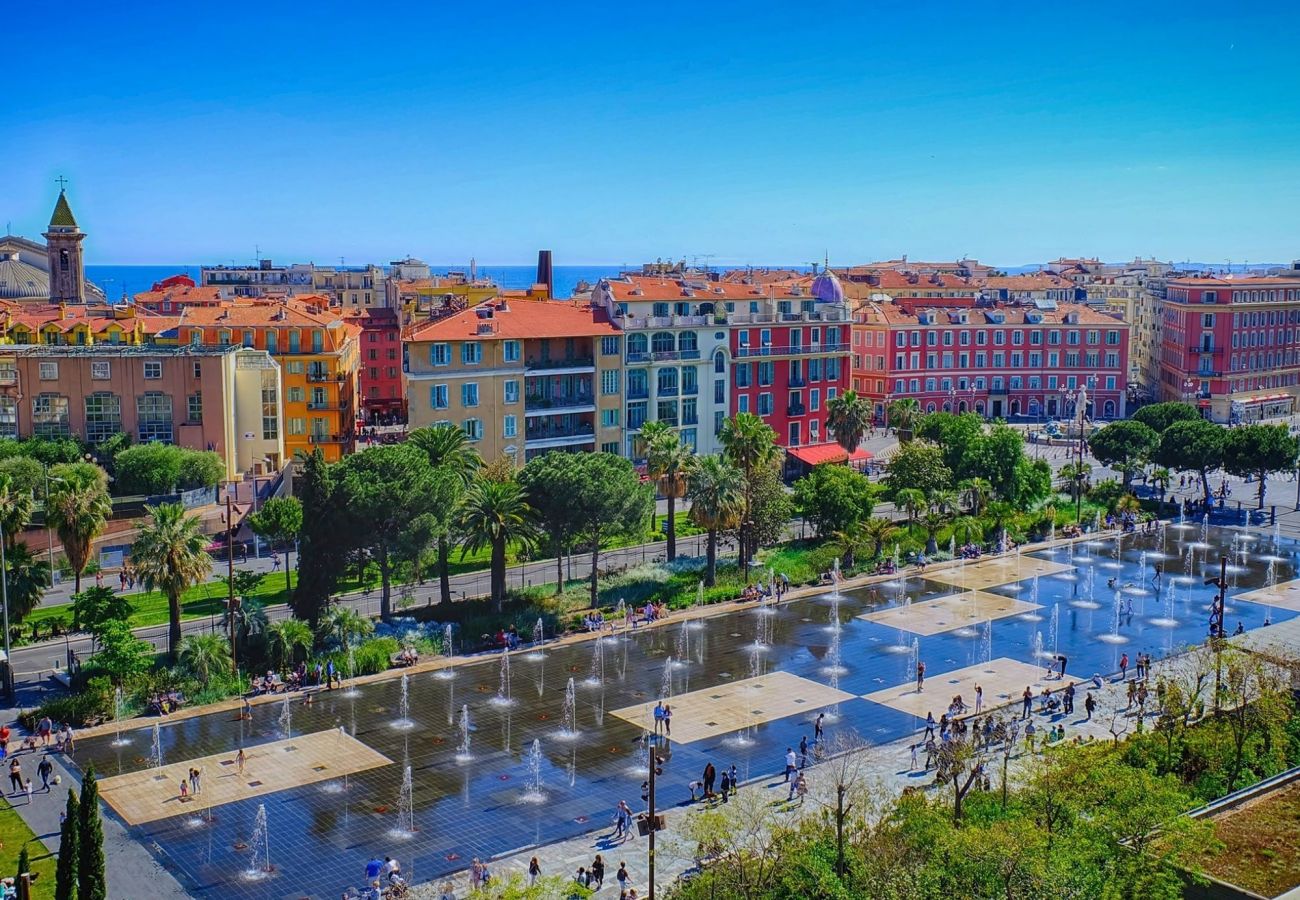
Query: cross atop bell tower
pixel 63 248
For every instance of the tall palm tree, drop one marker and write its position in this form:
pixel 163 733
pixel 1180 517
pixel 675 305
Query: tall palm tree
pixel 667 461
pixel 967 529
pixel 448 448
pixel 169 556
pixel 493 514
pixel 978 492
pixel 15 510
pixel 946 501
pixel 250 620
pixel 848 416
pixel 29 576
pixel 78 508
pixel 750 444
pixel 879 530
pixel 932 521
pixel 910 500
pixel 1077 474
pixel 284 638
pixel 204 655
pixel 903 416
pixel 850 543
pixel 999 511
pixel 1160 477
pixel 717 491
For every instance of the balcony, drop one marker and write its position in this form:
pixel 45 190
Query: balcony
pixel 690 390
pixel 561 365
pixel 327 439
pixel 560 436
pixel 1213 351
pixel 798 381
pixel 635 323
pixel 823 314
pixel 661 356
pixel 796 409
pixel 690 418
pixel 809 350
pixel 998 391
pixel 552 406
pixel 323 405
pixel 667 391
pixel 638 393
pixel 325 376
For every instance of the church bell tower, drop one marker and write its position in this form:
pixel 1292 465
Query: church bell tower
pixel 63 245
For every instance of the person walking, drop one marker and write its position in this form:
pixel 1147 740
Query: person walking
pixel 920 677
pixel 735 781
pixel 817 727
pixel 1067 699
pixel 709 776
pixel 668 720
pixel 16 775
pixel 801 787
pixel 1089 704
pixel 659 717
pixel 1027 702
pixel 979 699
pixel 929 725
pixel 803 752
pixel 622 877
pixel 1123 667
pixel 44 770
pixel 726 786
pixel 534 870
pixel 790 760
pixel 597 872
pixel 240 759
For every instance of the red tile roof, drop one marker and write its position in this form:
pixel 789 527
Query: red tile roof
pixel 816 454
pixel 518 320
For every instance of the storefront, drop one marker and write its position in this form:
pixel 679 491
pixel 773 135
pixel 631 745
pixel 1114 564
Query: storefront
pixel 1255 409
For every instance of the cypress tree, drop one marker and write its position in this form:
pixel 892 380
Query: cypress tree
pixel 65 876
pixel 92 884
pixel 24 864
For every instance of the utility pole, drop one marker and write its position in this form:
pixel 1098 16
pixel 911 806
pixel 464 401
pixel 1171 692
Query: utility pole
pixel 232 604
pixel 652 822
pixel 1216 625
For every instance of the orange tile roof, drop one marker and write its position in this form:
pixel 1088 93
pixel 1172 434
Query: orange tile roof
pixel 522 319
pixel 1035 281
pixel 97 318
pixel 1244 283
pixel 179 294
pixel 906 315
pixel 632 288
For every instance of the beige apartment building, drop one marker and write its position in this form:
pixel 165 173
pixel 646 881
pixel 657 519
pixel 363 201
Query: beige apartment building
pixel 225 399
pixel 521 377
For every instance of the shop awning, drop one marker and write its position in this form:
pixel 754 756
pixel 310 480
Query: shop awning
pixel 1268 399
pixel 816 454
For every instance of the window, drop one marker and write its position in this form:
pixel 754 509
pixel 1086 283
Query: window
pixel 510 426
pixel 438 396
pixel 611 447
pixel 270 407
pixel 103 416
pixel 469 392
pixel 153 369
pixel 690 416
pixel 511 349
pixel 815 399
pixel 742 403
pixel 609 418
pixel 297 425
pixel 765 404
pixel 667 381
pixel 609 346
pixel 439 354
pixel 8 417
pixel 512 390
pixel 765 370
pixel 743 373
pixel 719 363
pixel 50 415
pixel 295 342
pixel 473 428
pixel 719 391
pixel 609 381
pixel 154 416
pixel 49 371
pixel 471 354
pixel 194 408
pixel 667 412
pixel 636 413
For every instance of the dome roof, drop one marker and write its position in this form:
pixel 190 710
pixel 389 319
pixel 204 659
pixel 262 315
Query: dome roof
pixel 826 288
pixel 20 280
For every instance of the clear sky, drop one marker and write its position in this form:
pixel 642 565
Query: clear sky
pixel 620 132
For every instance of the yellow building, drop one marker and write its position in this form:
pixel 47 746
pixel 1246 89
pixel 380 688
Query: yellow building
pixel 521 377
pixel 71 325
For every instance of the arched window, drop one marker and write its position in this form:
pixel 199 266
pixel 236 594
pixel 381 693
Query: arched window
pixel 666 380
pixel 687 343
pixel 636 343
pixel 1015 407
pixel 706 309
pixel 1109 409
pixel 961 407
pixel 719 363
pixel 930 407
pixel 979 407
pixel 662 342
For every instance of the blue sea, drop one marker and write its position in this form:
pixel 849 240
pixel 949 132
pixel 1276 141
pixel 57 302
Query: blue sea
pixel 131 280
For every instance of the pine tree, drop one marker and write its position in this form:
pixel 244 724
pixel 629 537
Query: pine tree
pixel 65 876
pixel 92 883
pixel 24 864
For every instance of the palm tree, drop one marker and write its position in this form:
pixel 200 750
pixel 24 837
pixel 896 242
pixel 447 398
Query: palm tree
pixel 667 461
pixel 967 529
pixel 848 417
pixel 910 500
pixel 250 621
pixel 448 448
pixel 28 576
pixel 1000 511
pixel 879 530
pixel 750 443
pixel 1161 477
pixel 850 543
pixel 717 491
pixel 342 626
pixel 1128 504
pixel 169 556
pixel 494 514
pixel 903 416
pixel 285 638
pixel 78 508
pixel 932 521
pixel 1076 473
pixel 15 510
pixel 204 655
pixel 946 501
pixel 978 492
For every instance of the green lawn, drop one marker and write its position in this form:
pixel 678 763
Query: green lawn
pixel 13 834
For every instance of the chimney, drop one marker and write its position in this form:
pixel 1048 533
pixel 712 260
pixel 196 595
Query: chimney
pixel 545 274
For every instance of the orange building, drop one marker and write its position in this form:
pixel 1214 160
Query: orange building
pixel 318 355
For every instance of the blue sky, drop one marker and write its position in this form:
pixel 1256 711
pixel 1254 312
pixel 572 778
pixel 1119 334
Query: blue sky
pixel 620 132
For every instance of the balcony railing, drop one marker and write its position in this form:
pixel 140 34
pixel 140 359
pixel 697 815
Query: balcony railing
pixel 322 404
pixel 536 403
pixel 796 409
pixel 797 381
pixel 327 438
pixel 633 323
pixel 667 391
pixel 824 314
pixel 638 393
pixel 690 390
pixel 690 418
pixel 1216 351
pixel 581 430
pixel 564 362
pixel 809 350
pixel 325 376
pixel 661 355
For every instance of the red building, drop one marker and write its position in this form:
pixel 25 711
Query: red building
pixel 1232 345
pixel 379 372
pixel 1011 362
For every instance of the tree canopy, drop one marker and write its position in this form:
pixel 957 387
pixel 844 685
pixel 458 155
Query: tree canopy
pixel 848 416
pixel 610 502
pixel 1159 416
pixel 1192 445
pixel 1124 445
pixel 1259 450
pixel 834 498
pixel 918 465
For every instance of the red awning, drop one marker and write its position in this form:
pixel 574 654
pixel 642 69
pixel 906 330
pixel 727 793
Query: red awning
pixel 1268 399
pixel 816 454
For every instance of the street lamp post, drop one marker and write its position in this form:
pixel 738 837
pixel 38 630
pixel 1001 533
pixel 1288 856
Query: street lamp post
pixel 4 599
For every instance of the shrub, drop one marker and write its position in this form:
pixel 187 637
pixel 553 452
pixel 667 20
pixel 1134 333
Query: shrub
pixel 1106 493
pixel 200 469
pixel 84 708
pixel 373 656
pixel 148 469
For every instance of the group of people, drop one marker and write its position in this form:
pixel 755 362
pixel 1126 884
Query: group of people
pixel 383 879
pixel 726 786
pixel 166 702
pixel 504 639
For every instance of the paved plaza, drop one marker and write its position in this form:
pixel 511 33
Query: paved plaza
pixel 950 611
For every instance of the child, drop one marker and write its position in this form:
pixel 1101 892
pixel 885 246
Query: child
pixel 185 790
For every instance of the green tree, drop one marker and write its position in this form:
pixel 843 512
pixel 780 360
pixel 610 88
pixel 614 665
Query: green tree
pixel 448 449
pixel 716 488
pixel 495 514
pixel 1159 416
pixel 978 493
pixel 904 416
pixel 967 529
pixel 390 493
pixel 322 545
pixel 1257 451
pixel 28 576
pixel 279 520
pixel 169 556
pixel 1124 445
pixel 996 456
pixel 343 627
pixel 850 542
pixel 834 498
pixel 16 507
pixel 120 654
pixel 918 465
pixel 1077 474
pixel 770 504
pixel 1192 445
pixel 96 605
pixel 92 883
pixel 750 444
pixel 149 469
pixel 286 639
pixel 912 501
pixel 1032 483
pixel 848 416
pixel 204 655
pixel 879 530
pixel 65 875
pixel 932 521
pixel 78 508
pixel 551 481
pixel 199 469
pixel 26 474
pixel 957 435
pixel 667 461
pixel 611 502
